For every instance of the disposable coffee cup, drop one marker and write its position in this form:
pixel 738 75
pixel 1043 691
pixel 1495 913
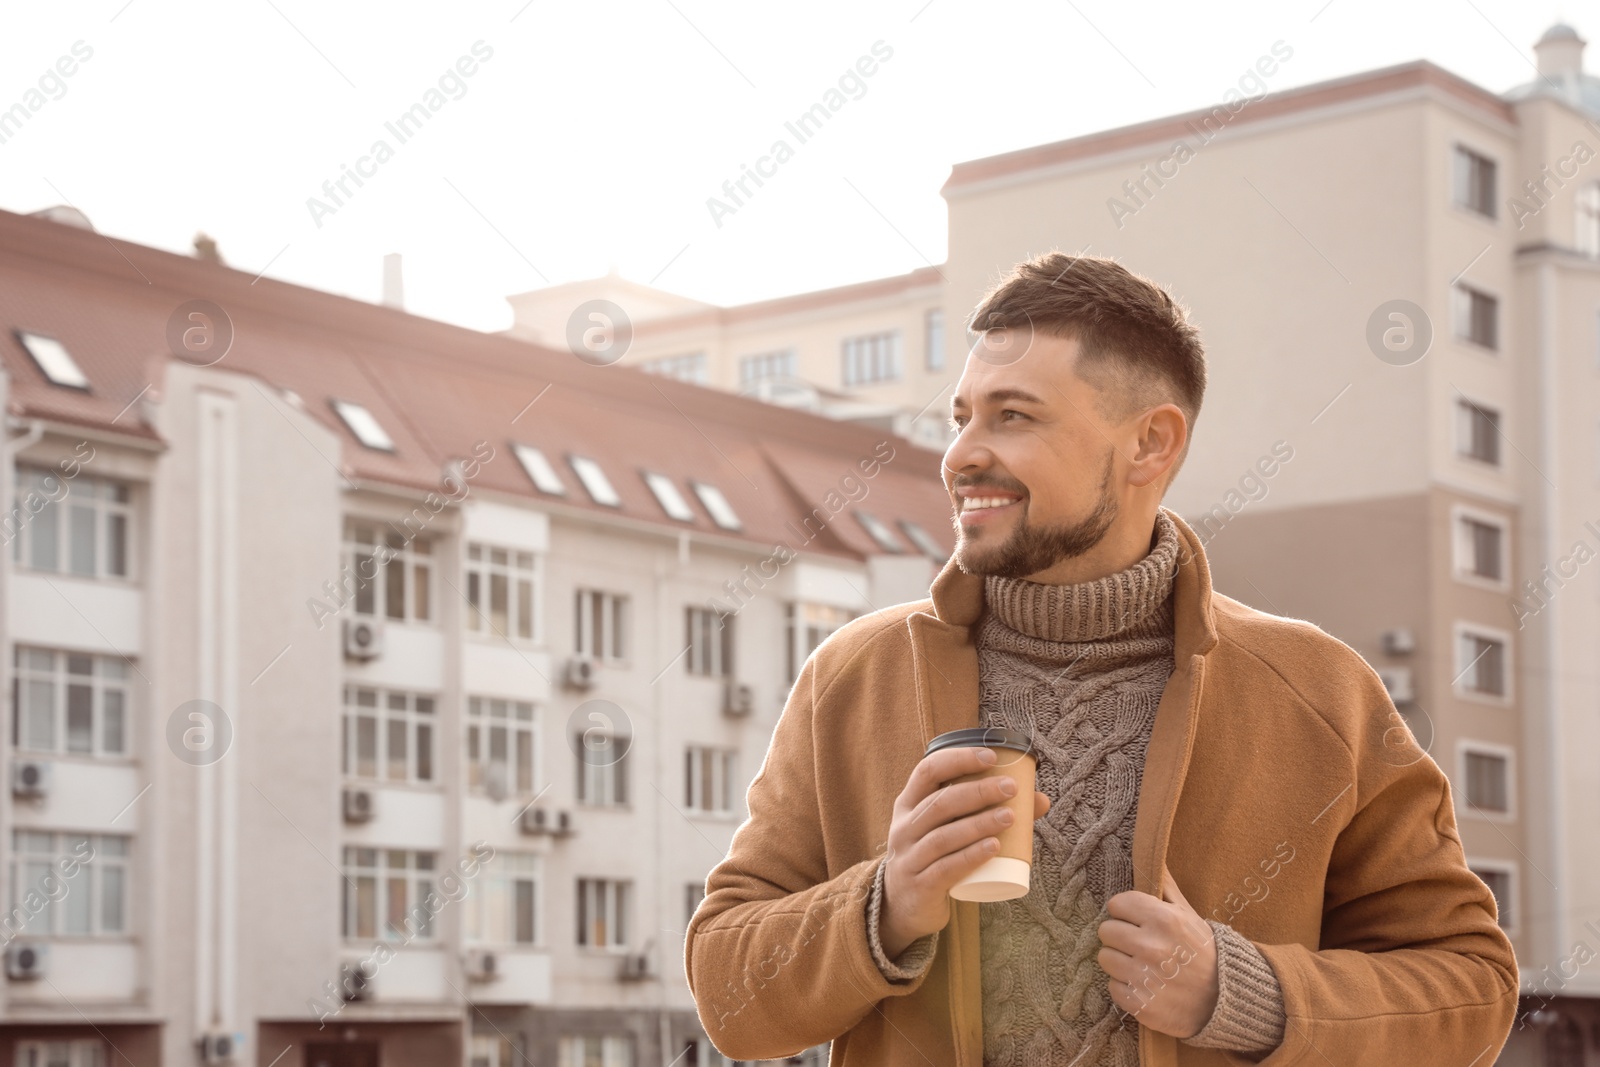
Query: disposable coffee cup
pixel 1003 876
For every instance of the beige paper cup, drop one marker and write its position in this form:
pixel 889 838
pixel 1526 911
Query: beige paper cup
pixel 1005 875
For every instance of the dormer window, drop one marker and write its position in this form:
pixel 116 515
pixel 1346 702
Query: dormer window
pixel 362 423
pixel 54 360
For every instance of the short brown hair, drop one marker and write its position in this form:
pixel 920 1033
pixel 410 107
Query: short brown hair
pixel 1135 342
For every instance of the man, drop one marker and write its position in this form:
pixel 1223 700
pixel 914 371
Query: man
pixel 1240 855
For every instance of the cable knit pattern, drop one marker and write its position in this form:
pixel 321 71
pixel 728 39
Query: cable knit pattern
pixel 1249 1016
pixel 917 955
pixel 1080 668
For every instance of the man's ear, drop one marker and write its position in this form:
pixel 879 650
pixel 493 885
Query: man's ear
pixel 1162 433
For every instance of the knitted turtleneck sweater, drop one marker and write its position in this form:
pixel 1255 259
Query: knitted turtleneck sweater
pixel 1081 668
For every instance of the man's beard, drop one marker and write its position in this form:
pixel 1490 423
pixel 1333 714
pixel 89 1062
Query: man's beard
pixel 1031 549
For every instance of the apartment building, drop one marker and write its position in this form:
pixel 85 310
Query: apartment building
pixel 1397 275
pixel 382 691
pixel 873 353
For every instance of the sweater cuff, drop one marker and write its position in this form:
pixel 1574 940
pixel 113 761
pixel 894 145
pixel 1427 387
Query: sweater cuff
pixel 1249 1016
pixel 917 955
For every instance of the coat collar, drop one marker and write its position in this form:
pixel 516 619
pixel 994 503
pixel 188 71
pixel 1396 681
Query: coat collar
pixel 958 596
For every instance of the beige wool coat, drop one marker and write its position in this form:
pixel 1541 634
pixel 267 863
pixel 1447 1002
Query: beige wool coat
pixel 1280 790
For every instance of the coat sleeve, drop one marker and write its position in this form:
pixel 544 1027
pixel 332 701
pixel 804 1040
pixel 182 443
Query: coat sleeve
pixel 777 956
pixel 1413 966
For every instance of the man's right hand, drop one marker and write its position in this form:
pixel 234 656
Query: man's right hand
pixel 940 834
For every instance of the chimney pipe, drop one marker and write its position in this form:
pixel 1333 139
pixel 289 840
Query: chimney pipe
pixel 394 293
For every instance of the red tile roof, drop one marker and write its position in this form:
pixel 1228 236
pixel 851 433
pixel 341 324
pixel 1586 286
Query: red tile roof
pixel 437 389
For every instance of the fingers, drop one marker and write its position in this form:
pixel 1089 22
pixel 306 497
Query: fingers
pixel 956 836
pixel 954 801
pixel 933 771
pixel 1041 804
pixel 1134 907
pixel 946 871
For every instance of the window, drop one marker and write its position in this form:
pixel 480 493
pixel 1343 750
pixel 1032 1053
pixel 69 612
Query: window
pixel 502 592
pixel 717 506
pixel 1480 547
pixel 1478 432
pixel 1488 781
pixel 765 366
pixel 502 746
pixel 1498 877
pixel 93 868
pixel 53 359
pixel 708 779
pixel 809 624
pixel 1474 177
pixel 870 358
pixel 1476 315
pixel 84 1052
pixel 603 912
pixel 384 894
pixel 710 640
pixel 368 430
pixel 601 625
pixel 687 368
pixel 393 575
pixel 1586 206
pixel 1481 665
pixel 503 907
pixel 668 496
pixel 70 702
pixel 539 471
pixel 595 482
pixel 693 894
pixel 700 1052
pixel 388 735
pixel 880 533
pixel 595 1052
pixel 79 527
pixel 924 541
pixel 933 330
pixel 602 767
pixel 497 1050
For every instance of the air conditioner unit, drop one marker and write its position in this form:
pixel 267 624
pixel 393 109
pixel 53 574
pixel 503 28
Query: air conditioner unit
pixel 30 778
pixel 26 960
pixel 360 805
pixel 547 822
pixel 635 967
pixel 1397 642
pixel 1397 680
pixel 737 700
pixel 355 983
pixel 217 1049
pixel 363 638
pixel 579 673
pixel 481 965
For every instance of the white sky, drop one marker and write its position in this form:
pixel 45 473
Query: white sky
pixel 596 132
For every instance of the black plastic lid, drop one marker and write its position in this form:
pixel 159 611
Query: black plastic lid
pixel 982 737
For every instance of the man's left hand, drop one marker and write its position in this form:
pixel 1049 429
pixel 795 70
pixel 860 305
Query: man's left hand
pixel 1162 960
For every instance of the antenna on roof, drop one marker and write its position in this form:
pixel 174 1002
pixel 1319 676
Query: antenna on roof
pixel 205 248
pixel 394 290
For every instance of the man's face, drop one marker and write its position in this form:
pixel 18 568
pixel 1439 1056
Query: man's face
pixel 1034 444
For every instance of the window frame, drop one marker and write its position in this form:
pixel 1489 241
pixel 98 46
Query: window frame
pixel 1462 152
pixel 1464 297
pixel 65 375
pixel 476 750
pixel 868 359
pixel 78 1052
pixel 777 364
pixel 99 496
pixel 603 785
pixel 1467 747
pixel 421 881
pixel 62 680
pixel 1463 431
pixel 616 621
pixel 363 425
pixel 497 888
pixel 384 715
pixel 1586 210
pixel 478 573
pixel 87 882
pixel 798 631
pixel 717 651
pixel 1459 663
pixel 1462 550
pixel 414 555
pixel 724 763
pixel 935 357
pixel 617 905
pixel 691 367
